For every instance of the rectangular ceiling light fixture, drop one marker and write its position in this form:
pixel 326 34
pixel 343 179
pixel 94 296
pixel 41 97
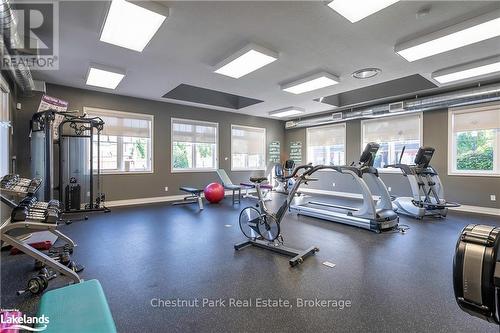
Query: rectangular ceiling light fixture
pixel 97 76
pixel 131 26
pixel 310 83
pixel 248 59
pixel 477 69
pixel 287 112
pixel 356 10
pixel 466 33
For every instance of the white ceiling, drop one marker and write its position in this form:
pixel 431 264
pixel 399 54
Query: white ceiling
pixel 307 34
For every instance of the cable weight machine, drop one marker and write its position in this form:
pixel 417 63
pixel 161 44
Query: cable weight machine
pixel 77 138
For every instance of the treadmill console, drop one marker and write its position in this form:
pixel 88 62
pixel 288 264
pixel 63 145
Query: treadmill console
pixel 423 157
pixel 368 156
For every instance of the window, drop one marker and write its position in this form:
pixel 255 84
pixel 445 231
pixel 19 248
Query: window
pixel 194 145
pixel 126 143
pixel 392 134
pixel 326 145
pixel 4 128
pixel 474 141
pixel 248 148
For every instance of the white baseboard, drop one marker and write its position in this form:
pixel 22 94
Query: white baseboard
pixel 142 201
pixel 462 208
pixel 168 198
pixel 477 210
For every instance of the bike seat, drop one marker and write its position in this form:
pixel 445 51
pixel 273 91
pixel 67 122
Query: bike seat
pixel 258 180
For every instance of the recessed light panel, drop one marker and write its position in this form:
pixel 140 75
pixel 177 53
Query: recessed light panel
pixel 99 77
pixel 451 38
pixel 246 60
pixel 287 112
pixel 356 10
pixel 130 26
pixel 310 83
pixel 366 73
pixel 468 71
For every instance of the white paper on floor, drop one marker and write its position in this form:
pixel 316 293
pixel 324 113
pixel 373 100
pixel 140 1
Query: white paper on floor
pixel 329 264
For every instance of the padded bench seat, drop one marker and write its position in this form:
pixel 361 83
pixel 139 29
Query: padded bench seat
pixel 78 308
pixel 194 197
pixel 190 190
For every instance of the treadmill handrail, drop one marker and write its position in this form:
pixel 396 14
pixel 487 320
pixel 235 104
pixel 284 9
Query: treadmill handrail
pixel 407 169
pixel 338 168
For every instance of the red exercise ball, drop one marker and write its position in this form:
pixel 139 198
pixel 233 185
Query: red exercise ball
pixel 214 192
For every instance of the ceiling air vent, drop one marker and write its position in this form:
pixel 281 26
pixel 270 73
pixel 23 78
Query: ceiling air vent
pixel 397 107
pixel 290 124
pixel 337 116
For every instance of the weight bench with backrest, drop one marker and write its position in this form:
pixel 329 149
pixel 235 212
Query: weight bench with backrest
pixel 228 185
pixel 193 197
pixel 77 308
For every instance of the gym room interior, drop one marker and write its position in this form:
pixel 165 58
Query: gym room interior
pixel 238 166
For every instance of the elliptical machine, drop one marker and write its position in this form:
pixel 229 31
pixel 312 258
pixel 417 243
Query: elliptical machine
pixel 427 190
pixel 476 272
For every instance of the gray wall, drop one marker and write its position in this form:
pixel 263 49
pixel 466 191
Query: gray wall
pixel 466 190
pixel 129 186
pixel 4 209
pixel 473 191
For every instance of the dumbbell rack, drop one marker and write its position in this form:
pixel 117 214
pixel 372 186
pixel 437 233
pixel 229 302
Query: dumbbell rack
pixel 36 220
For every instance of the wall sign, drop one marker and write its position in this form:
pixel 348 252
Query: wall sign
pixel 274 152
pixel 296 152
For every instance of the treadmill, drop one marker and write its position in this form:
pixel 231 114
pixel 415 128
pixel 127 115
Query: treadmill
pixel 374 216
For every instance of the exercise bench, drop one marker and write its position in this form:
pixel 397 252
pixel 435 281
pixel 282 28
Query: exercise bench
pixel 77 308
pixel 193 197
pixel 228 185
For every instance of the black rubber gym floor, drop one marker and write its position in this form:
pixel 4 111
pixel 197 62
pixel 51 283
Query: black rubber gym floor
pixel 395 282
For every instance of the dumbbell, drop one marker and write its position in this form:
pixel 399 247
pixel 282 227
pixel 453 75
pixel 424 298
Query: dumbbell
pixel 37 284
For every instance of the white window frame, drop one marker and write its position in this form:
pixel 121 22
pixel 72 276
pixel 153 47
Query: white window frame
pixel 97 111
pixel 265 148
pixel 172 170
pixel 421 135
pixel 344 127
pixel 451 147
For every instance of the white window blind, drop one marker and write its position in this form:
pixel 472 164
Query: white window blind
pixel 248 148
pixel 474 140
pixel 326 144
pixel 194 145
pixel 126 141
pixel 392 134
pixel 4 127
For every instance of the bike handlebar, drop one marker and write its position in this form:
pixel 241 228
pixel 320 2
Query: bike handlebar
pixel 297 169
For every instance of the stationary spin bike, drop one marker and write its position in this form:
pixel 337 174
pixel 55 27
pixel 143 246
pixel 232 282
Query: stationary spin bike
pixel 262 227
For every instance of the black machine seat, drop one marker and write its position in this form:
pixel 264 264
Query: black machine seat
pixel 191 190
pixel 258 180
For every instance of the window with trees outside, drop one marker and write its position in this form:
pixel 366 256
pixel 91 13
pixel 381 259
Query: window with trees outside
pixel 392 134
pixel 474 141
pixel 194 145
pixel 126 142
pixel 326 145
pixel 248 148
